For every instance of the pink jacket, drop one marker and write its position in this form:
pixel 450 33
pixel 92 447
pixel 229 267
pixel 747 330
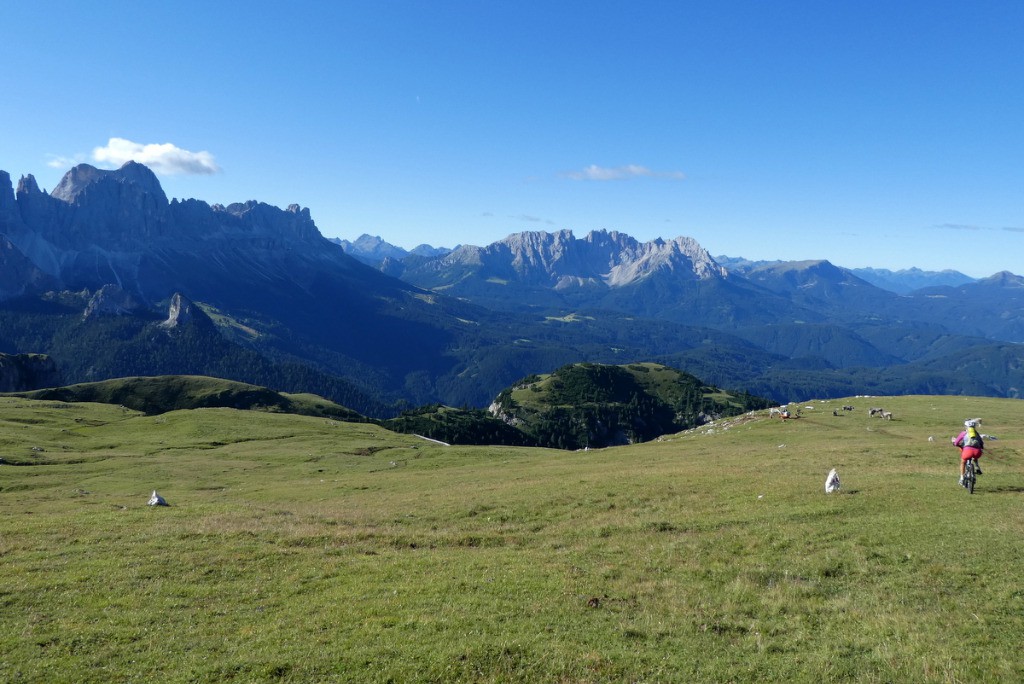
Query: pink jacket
pixel 959 441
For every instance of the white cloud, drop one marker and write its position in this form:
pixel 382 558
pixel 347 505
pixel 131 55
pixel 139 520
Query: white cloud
pixel 604 173
pixel 164 159
pixel 59 162
pixel 974 228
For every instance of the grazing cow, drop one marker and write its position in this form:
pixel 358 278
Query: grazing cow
pixel 887 415
pixel 847 408
pixel 774 411
pixel 875 411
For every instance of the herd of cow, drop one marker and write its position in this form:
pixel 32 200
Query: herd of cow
pixel 874 411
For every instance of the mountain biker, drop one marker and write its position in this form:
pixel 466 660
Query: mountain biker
pixel 971 446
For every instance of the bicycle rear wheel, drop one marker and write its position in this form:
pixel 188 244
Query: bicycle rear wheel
pixel 970 477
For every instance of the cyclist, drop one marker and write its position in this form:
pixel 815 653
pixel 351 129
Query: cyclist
pixel 971 446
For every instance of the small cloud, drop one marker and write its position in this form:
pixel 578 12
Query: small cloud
pixel 532 219
pixel 164 159
pixel 60 162
pixel 960 226
pixel 973 228
pixel 604 173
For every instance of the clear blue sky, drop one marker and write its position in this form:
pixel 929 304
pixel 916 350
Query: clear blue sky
pixel 887 134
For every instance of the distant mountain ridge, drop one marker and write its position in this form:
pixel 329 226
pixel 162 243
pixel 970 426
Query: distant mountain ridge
pixel 677 280
pixel 372 249
pixel 909 280
pixel 820 316
pixel 561 261
pixel 112 279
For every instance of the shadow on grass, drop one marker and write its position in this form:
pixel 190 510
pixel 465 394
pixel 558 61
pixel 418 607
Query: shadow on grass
pixel 1004 490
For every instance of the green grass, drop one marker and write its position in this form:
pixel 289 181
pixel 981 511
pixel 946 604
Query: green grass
pixel 302 549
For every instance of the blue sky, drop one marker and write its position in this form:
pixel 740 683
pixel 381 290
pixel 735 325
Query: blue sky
pixel 886 134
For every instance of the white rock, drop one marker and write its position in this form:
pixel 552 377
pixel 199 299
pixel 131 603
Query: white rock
pixel 832 482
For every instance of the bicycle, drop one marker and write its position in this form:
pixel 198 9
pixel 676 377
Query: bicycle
pixel 970 476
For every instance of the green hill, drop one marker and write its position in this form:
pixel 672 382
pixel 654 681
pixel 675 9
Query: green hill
pixel 160 394
pixel 595 405
pixel 299 549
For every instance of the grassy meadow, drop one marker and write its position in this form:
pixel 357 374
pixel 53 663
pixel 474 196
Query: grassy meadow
pixel 301 549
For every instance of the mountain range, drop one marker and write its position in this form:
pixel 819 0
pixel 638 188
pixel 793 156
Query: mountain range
pixel 93 272
pixel 374 251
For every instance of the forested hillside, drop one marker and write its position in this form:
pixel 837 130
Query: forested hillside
pixel 594 405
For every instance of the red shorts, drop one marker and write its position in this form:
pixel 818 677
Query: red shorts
pixel 969 452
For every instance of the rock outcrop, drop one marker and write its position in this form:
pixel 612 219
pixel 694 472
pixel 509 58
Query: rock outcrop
pixel 18 274
pixel 111 300
pixel 180 312
pixel 23 372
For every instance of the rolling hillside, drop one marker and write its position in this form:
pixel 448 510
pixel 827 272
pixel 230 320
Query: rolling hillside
pixel 161 394
pixel 301 549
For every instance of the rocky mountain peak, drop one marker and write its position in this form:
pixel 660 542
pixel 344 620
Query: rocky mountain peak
pixel 132 174
pixel 608 256
pixel 34 205
pixel 371 248
pixel 1005 279
pixel 27 186
pixel 386 257
pixel 102 226
pixel 259 218
pixel 8 205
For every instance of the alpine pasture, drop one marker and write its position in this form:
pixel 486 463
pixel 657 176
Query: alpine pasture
pixel 303 549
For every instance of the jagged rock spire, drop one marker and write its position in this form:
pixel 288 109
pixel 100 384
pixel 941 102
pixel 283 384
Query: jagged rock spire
pixel 181 311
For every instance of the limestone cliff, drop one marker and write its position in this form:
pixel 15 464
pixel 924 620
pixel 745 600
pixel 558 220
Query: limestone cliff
pixel 21 372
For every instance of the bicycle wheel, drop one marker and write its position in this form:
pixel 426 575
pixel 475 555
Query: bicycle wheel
pixel 969 475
